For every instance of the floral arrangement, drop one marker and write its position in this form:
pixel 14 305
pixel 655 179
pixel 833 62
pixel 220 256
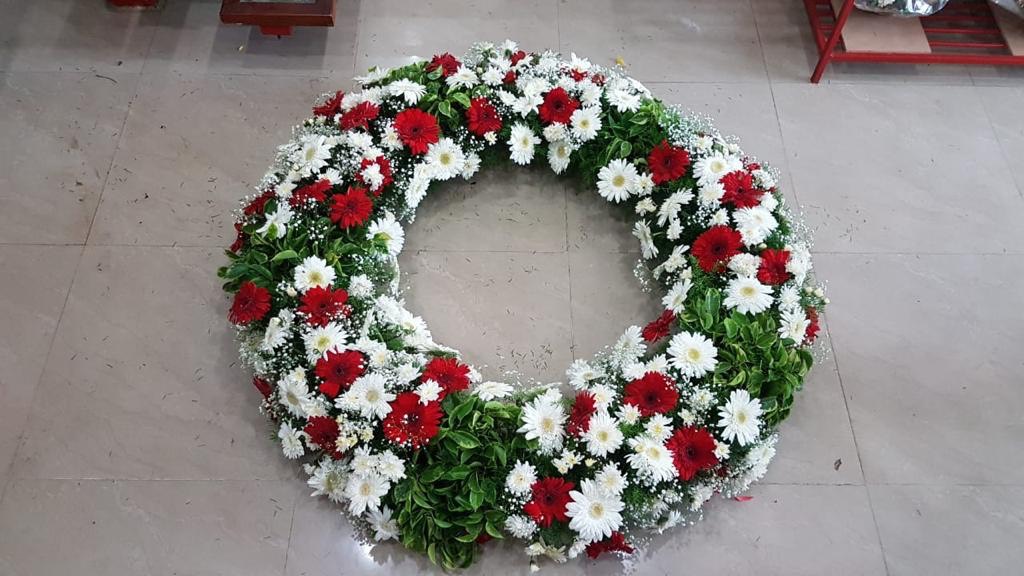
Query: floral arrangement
pixel 406 437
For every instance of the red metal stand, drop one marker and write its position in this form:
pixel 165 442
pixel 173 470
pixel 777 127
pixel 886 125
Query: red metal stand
pixel 965 32
pixel 277 18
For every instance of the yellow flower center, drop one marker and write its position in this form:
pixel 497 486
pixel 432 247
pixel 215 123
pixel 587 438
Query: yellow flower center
pixel 597 510
pixel 693 354
pixel 619 181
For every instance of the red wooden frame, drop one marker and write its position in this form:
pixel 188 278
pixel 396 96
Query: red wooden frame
pixel 277 18
pixel 965 32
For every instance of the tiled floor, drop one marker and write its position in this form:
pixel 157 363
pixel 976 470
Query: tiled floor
pixel 130 442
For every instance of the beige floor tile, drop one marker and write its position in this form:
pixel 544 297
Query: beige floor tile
pixel 933 531
pixel 36 282
pixel 1003 106
pixel 899 169
pixel 101 528
pixel 60 132
pixel 194 145
pixel 931 372
pixel 503 311
pixel 504 208
pixel 143 381
pixel 596 225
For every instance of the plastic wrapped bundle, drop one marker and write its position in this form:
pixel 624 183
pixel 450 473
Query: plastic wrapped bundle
pixel 1015 7
pixel 902 7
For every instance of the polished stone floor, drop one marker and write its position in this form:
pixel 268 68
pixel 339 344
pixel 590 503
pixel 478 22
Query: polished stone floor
pixel 129 439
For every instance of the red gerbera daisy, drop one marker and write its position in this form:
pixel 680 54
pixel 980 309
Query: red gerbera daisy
pixel 813 327
pixel 359 116
pixel 258 203
pixel 715 247
pixel 773 266
pixel 449 374
pixel 446 62
pixel 615 543
pixel 323 432
pixel 315 192
pixel 262 385
pixel 331 106
pixel 510 77
pixel 578 75
pixel 740 190
pixel 667 162
pixel 659 328
pixel 239 238
pixel 693 450
pixel 582 409
pixel 558 106
pixel 519 55
pixel 410 423
pixel 351 208
pixel 417 129
pixel 321 305
pixel 339 370
pixel 251 303
pixel 550 497
pixel 482 117
pixel 384 165
pixel 655 393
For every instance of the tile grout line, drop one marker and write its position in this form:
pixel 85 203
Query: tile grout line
pixel 568 264
pixel 999 141
pixel 291 529
pixel 760 46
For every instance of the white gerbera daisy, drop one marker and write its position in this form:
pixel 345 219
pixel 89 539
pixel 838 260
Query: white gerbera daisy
pixel 389 231
pixel 642 231
pixel 446 159
pixel 595 513
pixel 293 391
pixel 651 459
pixel 603 437
pixel 559 155
pixel 521 478
pixel 616 180
pixel 521 143
pixel 712 167
pixel 313 272
pixel 314 152
pixel 416 191
pixel 369 392
pixel 320 340
pixel 692 354
pixel 603 396
pixel 471 166
pixel 390 139
pixel 543 419
pixel 747 295
pixel 428 391
pixel 581 373
pixel 328 479
pixel 520 526
pixel 610 479
pixel 276 225
pixel 623 99
pixel 463 78
pixel 364 492
pixel 586 122
pixel 629 414
pixel 740 417
pixel 755 224
pixel 291 441
pixel 383 525
pixel 488 391
pixel 722 450
pixel 659 427
pixel 675 298
pixel 566 461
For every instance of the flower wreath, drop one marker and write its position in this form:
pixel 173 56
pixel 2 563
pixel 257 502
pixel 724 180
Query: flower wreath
pixel 406 437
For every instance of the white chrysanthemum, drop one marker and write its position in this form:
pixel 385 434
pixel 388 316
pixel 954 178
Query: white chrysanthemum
pixel 488 391
pixel 527 104
pixel 722 450
pixel 769 202
pixel 389 231
pixel 603 437
pixel 314 152
pixel 611 479
pixel 559 155
pixel 799 263
pixel 369 392
pixel 313 272
pixel 628 414
pixel 383 525
pixel 692 354
pixel 372 176
pixel 675 298
pixel 701 398
pixel 428 391
pixel 520 526
pixel 365 492
pixel 594 513
pixel 740 417
pixel 615 181
pixel 645 184
pixel 744 264
pixel 521 478
pixel 645 206
pixel 659 427
pixel 566 461
pixel 581 373
pixel 543 419
pixel 748 295
pixel 710 195
pixel 446 159
pixel 586 122
pixel 651 459
pixel 328 479
pixel 629 346
pixel 603 396
pixel 555 132
pixel 363 461
pixel 471 166
pixel 643 233
pixel 677 260
pixel 521 143
pixel 463 78
pixel 390 465
pixel 294 392
pixel 418 185
pixel 278 329
pixel 291 441
pixel 621 96
pixel 493 76
pixel 276 225
pixel 754 224
pixel 711 168
pixel 360 286
pixel 390 138
pixel 319 340
pixel 789 297
pixel 793 324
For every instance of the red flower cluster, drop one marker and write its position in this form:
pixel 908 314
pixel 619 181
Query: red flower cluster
pixel 384 165
pixel 359 116
pixel 740 190
pixel 693 450
pixel 517 57
pixel 510 77
pixel 655 393
pixel 251 303
pixel 558 107
pixel 417 129
pixel 258 203
pixel 550 497
pixel 321 305
pixel 323 432
pixel 449 374
pixel 715 247
pixel 315 192
pixel 338 370
pixel 667 162
pixel 410 423
pixel 446 62
pixel 615 543
pixel 239 238
pixel 772 270
pixel 659 328
pixel 482 117
pixel 582 409
pixel 352 208
pixel 262 385
pixel 813 327
pixel 331 106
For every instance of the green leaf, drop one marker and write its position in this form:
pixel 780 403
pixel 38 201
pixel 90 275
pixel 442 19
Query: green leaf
pixel 445 108
pixel 464 439
pixel 461 98
pixel 285 255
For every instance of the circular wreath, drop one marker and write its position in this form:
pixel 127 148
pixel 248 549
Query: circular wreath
pixel 408 439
